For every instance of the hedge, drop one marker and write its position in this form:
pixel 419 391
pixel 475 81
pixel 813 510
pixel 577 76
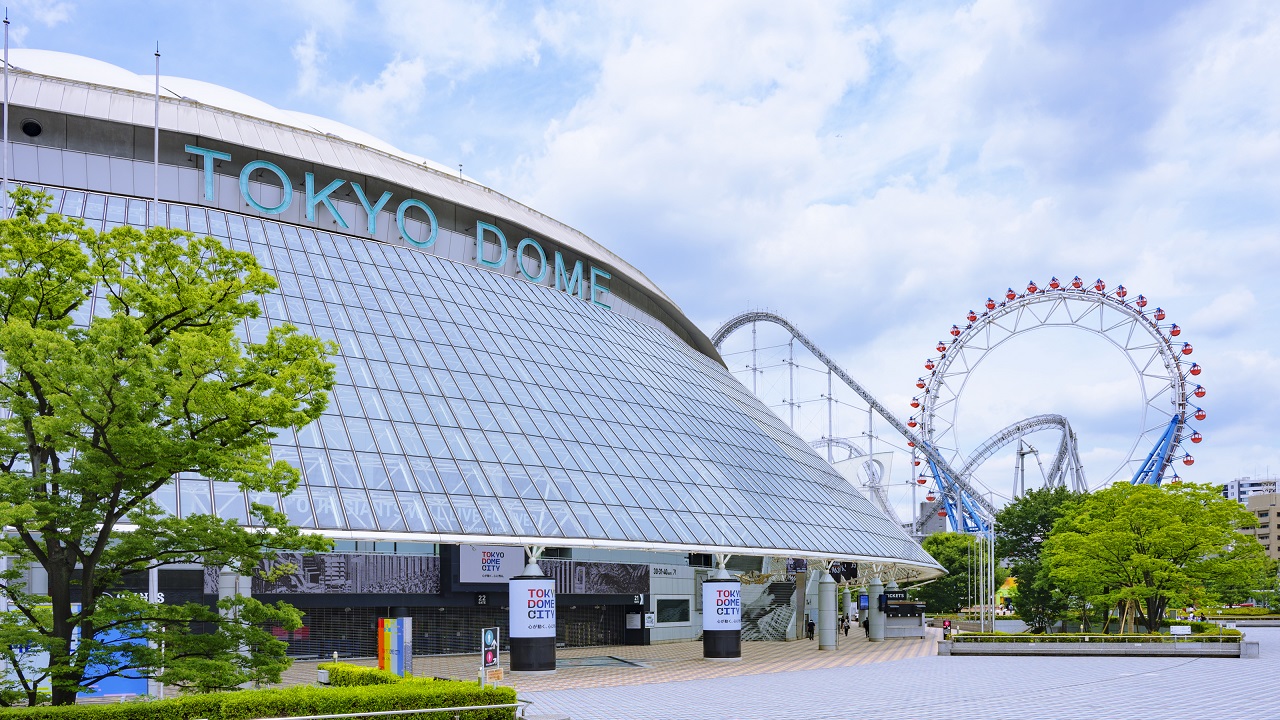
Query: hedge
pixel 348 675
pixel 300 700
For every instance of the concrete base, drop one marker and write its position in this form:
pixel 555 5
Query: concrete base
pixel 1100 649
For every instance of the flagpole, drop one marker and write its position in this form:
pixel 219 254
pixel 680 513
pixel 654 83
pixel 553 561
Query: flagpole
pixel 4 203
pixel 155 183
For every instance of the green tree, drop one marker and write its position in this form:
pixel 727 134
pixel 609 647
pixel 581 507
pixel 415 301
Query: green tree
pixel 958 553
pixel 1021 529
pixel 1155 546
pixel 95 419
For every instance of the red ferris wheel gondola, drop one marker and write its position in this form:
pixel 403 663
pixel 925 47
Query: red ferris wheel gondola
pixel 911 443
pixel 1032 287
pixel 1174 330
pixel 1200 414
pixel 1010 294
pixel 1199 391
pixel 1099 285
pixel 1159 314
pixel 1054 284
pixel 942 346
pixel 920 383
pixel 928 365
pixel 912 423
pixel 972 316
pixel 1076 282
pixel 921 480
pixel 955 331
pixel 1186 348
pixel 915 402
pixel 1188 460
pixel 1121 292
pixel 931 496
pixel 1196 437
pixel 991 304
pixel 1196 369
pixel 1140 301
pixel 942 513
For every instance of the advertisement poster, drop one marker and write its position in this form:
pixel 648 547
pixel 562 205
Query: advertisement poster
pixel 489 563
pixel 722 606
pixel 533 608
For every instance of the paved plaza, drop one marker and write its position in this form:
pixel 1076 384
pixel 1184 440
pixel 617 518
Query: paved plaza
pixel 893 680
pixel 913 684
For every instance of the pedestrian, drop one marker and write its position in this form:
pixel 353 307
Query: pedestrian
pixel 809 627
pixel 847 625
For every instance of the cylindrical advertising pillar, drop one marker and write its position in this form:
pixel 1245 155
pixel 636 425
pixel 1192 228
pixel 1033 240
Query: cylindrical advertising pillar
pixel 533 624
pixel 721 619
pixel 827 637
pixel 875 616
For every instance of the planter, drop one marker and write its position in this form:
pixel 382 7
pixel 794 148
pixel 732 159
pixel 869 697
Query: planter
pixel 1188 648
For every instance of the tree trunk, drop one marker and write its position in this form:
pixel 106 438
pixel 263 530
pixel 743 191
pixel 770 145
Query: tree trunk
pixel 64 675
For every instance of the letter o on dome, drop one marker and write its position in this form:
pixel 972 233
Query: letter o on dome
pixel 404 232
pixel 284 183
pixel 542 260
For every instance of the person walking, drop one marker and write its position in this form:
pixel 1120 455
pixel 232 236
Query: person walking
pixel 809 627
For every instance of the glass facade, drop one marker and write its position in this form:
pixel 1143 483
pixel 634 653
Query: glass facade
pixel 476 404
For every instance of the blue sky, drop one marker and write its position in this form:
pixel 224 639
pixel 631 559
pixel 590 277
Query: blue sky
pixel 870 170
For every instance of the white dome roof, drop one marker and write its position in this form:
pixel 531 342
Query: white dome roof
pixel 83 69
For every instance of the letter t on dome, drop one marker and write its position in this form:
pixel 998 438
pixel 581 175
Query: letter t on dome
pixel 209 156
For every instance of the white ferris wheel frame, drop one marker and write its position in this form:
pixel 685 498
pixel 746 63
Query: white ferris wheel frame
pixel 1152 356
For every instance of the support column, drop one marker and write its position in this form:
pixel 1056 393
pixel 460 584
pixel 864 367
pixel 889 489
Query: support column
pixel 848 602
pixel 532 608
pixel 875 618
pixel 827 611
pixel 721 615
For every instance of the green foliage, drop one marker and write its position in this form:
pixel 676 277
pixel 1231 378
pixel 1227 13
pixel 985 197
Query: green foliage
pixel 1021 529
pixel 958 553
pixel 301 700
pixel 1242 612
pixel 1159 547
pixel 305 700
pixel 100 418
pixel 348 675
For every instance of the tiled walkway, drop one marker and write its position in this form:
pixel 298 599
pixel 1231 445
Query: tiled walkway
pixel 666 663
pixel 894 679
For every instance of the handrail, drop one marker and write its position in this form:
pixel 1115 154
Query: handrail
pixel 417 711
pixel 971 637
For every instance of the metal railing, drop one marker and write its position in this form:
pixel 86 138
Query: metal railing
pixel 521 704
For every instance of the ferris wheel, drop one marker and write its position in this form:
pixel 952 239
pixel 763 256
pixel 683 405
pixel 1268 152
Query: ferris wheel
pixel 1153 349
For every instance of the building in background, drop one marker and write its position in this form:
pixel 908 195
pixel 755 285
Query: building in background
pixel 504 381
pixel 1242 488
pixel 1263 506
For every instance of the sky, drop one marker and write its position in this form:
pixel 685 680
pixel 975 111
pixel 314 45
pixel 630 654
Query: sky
pixel 869 170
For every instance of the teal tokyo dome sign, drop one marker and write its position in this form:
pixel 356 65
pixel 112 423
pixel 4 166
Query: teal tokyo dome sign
pixel 531 259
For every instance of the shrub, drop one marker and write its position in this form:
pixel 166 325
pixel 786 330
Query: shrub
pixel 302 700
pixel 305 700
pixel 348 675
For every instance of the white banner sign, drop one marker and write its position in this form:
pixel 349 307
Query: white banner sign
pixel 489 563
pixel 533 608
pixel 721 605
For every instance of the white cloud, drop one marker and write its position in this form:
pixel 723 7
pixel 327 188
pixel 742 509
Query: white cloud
pixel 874 177
pixel 49 13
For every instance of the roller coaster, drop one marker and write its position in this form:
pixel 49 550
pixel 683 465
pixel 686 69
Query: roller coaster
pixel 1153 351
